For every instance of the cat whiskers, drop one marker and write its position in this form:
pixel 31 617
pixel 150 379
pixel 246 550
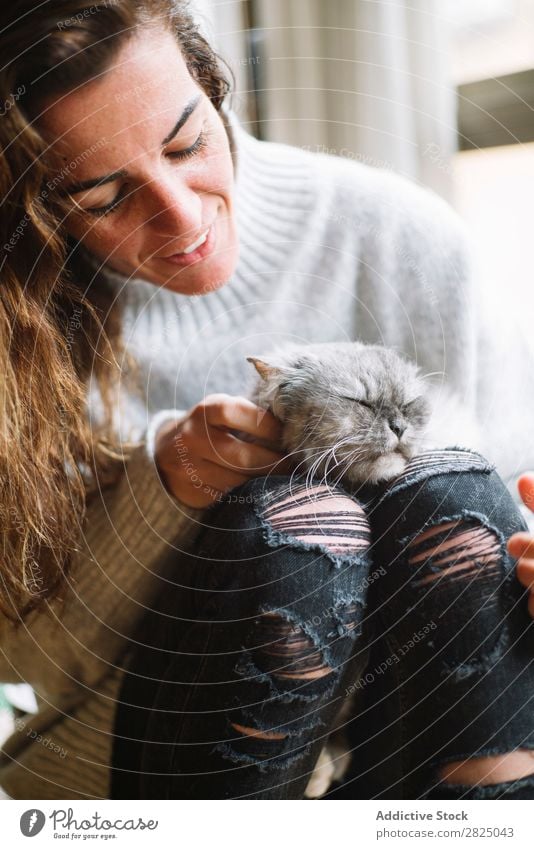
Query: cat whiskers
pixel 346 462
pixel 433 374
pixel 304 463
pixel 324 461
pixel 313 469
pixel 314 461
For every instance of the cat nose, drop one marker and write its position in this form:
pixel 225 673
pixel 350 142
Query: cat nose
pixel 398 427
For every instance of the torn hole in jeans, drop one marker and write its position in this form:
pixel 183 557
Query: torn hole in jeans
pixel 489 769
pixel 316 518
pixel 456 568
pixel 454 550
pixel 298 675
pixel 286 652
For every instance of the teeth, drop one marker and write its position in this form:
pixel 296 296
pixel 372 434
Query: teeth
pixel 196 244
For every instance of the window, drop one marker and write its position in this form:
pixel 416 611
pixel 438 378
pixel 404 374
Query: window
pixel 493 65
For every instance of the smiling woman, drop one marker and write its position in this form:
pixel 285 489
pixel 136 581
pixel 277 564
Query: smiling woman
pixel 115 148
pixel 165 151
pixel 159 187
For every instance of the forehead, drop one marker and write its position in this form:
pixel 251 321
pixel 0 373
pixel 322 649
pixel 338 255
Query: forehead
pixel 146 87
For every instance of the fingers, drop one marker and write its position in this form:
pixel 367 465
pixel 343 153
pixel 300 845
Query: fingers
pixel 211 476
pixel 241 414
pixel 525 573
pixel 521 546
pixel 207 482
pixel 227 451
pixel 246 457
pixel 199 459
pixel 525 486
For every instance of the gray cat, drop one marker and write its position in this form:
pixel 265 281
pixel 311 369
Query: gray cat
pixel 356 413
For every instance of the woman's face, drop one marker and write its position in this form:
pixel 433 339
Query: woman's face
pixel 146 160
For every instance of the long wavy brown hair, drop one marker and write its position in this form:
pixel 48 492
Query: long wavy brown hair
pixel 60 322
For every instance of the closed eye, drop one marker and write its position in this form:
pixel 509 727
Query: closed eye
pixel 195 148
pixel 109 207
pixel 417 405
pixel 200 143
pixel 358 401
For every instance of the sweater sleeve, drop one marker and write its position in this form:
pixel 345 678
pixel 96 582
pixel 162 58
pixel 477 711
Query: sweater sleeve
pixel 157 420
pixel 131 542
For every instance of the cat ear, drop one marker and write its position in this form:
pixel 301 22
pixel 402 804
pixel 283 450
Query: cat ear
pixel 266 370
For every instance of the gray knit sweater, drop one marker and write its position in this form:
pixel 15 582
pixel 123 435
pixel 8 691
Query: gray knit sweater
pixel 330 250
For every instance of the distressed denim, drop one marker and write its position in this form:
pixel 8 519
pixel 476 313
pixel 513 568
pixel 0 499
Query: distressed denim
pixel 297 597
pixel 450 672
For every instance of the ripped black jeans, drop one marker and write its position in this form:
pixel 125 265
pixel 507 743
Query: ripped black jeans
pixel 297 597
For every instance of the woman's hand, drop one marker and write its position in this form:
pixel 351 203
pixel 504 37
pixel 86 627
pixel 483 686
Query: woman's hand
pixel 521 545
pixel 198 459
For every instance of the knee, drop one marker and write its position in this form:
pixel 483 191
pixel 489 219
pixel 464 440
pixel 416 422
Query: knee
pixel 458 501
pixel 467 512
pixel 455 549
pixel 489 769
pixel 450 471
pixel 455 514
pixel 286 539
pixel 311 515
pixel 281 539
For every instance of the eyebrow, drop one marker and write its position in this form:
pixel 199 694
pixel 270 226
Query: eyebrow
pixel 186 114
pixel 84 185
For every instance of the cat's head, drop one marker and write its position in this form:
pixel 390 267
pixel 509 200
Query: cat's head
pixel 351 412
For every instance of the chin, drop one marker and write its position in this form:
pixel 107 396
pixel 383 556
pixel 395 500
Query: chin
pixel 195 283
pixel 383 469
pixel 183 287
pixel 387 467
pixel 200 279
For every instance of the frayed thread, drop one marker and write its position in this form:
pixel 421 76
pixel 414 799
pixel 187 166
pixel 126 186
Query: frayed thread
pixel 279 761
pixel 275 538
pixel 408 479
pixel 454 517
pixel 248 670
pixel 502 790
pixel 255 720
pixel 306 627
pixel 480 664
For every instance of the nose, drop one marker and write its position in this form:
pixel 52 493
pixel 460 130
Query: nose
pixel 174 210
pixel 397 426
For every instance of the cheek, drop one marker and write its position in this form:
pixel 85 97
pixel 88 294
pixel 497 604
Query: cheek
pixel 112 242
pixel 413 430
pixel 347 424
pixel 220 166
pixel 378 428
pixel 360 426
pixel 124 237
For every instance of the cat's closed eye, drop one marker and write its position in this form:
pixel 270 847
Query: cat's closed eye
pixel 358 401
pixel 417 407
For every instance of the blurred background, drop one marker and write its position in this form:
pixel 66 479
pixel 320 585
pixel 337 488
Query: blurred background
pixel 441 91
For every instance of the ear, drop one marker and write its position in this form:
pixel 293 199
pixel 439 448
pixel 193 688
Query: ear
pixel 266 370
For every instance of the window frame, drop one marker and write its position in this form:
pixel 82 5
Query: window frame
pixel 496 112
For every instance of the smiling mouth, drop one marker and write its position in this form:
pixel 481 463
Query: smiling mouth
pixel 194 245
pixel 198 250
